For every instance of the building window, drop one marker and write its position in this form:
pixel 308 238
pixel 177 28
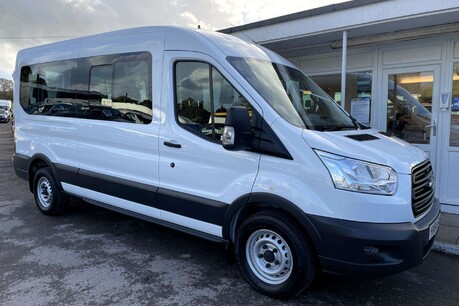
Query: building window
pixel 409 105
pixel 358 89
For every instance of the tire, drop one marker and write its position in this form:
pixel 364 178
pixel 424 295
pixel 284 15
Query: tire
pixel 274 256
pixel 48 196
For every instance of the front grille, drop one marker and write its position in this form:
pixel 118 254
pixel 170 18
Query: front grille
pixel 422 181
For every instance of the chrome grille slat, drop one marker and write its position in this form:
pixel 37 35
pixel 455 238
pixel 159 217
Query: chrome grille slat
pixel 422 194
pixel 424 178
pixel 419 200
pixel 420 168
pixel 424 201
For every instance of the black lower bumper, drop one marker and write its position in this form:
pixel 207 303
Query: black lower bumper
pixel 360 249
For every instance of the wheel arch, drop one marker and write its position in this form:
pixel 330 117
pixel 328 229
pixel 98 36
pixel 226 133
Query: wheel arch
pixel 250 204
pixel 37 162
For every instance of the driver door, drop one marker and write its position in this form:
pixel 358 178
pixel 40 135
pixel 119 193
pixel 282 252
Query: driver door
pixel 199 179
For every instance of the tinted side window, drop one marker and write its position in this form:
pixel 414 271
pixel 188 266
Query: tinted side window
pixel 29 83
pixel 110 87
pixel 203 97
pixel 119 88
pixel 132 87
pixel 47 89
pixel 100 84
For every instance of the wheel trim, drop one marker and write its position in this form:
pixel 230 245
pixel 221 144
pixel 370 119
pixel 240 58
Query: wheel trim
pixel 269 256
pixel 44 192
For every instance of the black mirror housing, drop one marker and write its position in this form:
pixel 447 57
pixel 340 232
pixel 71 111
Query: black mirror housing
pixel 238 133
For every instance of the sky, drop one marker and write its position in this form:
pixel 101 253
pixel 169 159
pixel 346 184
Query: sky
pixel 26 23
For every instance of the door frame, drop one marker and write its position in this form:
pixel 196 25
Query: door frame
pixel 433 147
pixel 449 204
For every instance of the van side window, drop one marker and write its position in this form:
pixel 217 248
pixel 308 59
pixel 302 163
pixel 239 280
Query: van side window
pixel 29 84
pixel 100 84
pixel 120 91
pixel 47 89
pixel 203 97
pixel 113 87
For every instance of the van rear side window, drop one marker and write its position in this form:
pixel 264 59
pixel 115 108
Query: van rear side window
pixel 47 89
pixel 114 88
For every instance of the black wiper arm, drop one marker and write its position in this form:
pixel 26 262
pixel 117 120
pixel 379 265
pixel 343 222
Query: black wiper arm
pixel 341 127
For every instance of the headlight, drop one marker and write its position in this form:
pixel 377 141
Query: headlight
pixel 355 175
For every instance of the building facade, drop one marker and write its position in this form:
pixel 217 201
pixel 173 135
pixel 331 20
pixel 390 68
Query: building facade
pixel 400 59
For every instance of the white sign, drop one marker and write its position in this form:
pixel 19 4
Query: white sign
pixel 444 100
pixel 360 109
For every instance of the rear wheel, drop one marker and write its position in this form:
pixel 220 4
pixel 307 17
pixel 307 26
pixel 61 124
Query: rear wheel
pixel 274 256
pixel 48 196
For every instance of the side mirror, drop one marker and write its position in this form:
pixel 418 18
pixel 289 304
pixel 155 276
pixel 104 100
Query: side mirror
pixel 237 134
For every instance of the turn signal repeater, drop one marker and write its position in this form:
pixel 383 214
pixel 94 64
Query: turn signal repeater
pixel 228 136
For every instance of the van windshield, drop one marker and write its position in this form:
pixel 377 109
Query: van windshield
pixel 293 95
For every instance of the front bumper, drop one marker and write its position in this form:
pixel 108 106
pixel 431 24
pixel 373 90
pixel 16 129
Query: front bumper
pixel 374 249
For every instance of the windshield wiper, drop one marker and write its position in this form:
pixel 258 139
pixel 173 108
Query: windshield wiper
pixel 341 127
pixel 359 126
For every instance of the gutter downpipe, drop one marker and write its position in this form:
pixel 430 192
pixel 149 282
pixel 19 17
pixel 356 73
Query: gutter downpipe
pixel 343 70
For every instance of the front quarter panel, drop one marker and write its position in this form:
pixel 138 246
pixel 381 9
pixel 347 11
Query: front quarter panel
pixel 306 182
pixel 303 181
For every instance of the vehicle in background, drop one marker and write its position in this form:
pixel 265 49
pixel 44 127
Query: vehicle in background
pixel 4 115
pixel 5 110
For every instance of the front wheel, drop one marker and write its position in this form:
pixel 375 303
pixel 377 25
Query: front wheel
pixel 274 256
pixel 48 196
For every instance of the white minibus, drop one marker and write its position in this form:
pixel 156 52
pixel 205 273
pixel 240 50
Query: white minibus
pixel 211 135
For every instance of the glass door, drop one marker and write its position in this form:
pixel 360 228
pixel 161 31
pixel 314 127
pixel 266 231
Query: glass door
pixel 410 103
pixel 450 154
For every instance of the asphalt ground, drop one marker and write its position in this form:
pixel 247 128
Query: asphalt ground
pixel 92 256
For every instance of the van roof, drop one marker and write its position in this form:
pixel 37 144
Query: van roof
pixel 175 38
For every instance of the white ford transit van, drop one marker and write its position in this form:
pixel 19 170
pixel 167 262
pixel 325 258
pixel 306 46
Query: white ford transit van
pixel 226 140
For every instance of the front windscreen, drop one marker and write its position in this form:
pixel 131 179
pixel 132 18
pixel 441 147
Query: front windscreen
pixel 293 95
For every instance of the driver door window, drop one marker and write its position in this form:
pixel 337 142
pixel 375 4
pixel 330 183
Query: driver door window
pixel 203 97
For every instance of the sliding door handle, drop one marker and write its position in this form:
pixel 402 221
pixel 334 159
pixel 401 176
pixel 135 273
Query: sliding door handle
pixel 172 144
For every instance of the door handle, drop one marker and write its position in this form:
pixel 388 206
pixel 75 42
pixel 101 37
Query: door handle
pixel 434 126
pixel 172 144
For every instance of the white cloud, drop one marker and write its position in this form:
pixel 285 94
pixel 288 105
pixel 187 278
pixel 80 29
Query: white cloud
pixel 191 20
pixel 87 5
pixel 7 60
pixel 26 23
